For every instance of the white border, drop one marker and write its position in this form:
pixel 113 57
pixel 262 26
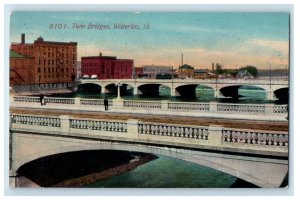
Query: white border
pixel 142 192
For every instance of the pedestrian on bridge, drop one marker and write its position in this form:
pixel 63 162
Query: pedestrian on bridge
pixel 106 103
pixel 41 99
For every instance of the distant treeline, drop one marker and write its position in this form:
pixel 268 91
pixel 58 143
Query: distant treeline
pixel 274 72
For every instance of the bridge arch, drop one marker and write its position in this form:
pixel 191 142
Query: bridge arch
pixel 186 90
pixel 89 88
pixel 235 90
pixel 241 167
pixel 151 89
pixel 282 94
pixel 58 158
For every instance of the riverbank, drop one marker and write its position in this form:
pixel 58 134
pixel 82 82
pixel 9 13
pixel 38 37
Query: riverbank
pixel 78 182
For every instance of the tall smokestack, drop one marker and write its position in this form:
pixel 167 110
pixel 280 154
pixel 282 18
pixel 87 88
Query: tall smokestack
pixel 181 59
pixel 23 38
pixel 213 67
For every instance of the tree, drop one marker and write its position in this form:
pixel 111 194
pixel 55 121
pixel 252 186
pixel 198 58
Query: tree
pixel 219 69
pixel 250 69
pixel 233 72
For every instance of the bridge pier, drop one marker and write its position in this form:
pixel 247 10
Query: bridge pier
pixel 135 90
pixel 270 96
pixel 173 92
pixel 217 93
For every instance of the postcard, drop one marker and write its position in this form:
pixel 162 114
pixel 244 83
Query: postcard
pixel 149 99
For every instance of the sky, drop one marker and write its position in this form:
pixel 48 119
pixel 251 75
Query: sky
pixel 234 39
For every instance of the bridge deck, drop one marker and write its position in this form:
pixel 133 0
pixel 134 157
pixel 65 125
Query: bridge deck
pixel 199 121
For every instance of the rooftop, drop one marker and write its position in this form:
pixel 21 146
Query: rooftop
pixel 40 40
pixel 13 54
pixel 185 66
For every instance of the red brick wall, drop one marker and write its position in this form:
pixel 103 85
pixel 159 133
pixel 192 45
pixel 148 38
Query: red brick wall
pixel 53 62
pixel 107 68
pixel 21 71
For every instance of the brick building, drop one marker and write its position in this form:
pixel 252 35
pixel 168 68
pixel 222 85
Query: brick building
pixel 138 72
pixel 185 71
pixel 106 67
pixel 20 68
pixel 53 62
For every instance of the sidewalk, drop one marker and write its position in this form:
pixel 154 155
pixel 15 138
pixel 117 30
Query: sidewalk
pixel 154 112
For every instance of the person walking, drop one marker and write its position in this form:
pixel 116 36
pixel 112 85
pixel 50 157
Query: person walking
pixel 41 99
pixel 106 103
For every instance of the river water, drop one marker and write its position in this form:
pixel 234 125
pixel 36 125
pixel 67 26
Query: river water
pixel 166 172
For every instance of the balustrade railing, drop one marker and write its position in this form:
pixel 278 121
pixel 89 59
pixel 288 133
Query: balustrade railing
pixel 188 106
pixel 36 120
pixel 212 107
pixel 241 108
pixel 173 130
pixel 280 109
pixel 206 135
pixel 94 102
pixel 142 104
pixel 266 138
pixel 116 126
pixel 26 99
pixel 60 100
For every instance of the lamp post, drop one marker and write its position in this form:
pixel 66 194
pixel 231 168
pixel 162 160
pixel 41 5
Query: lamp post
pixel 270 95
pixel 118 84
pixel 270 74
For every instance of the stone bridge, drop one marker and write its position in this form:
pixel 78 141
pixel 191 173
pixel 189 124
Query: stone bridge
pixel 259 157
pixel 221 87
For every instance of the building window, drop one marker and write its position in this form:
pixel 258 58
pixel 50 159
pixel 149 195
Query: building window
pixel 44 69
pixel 44 62
pixel 39 70
pixel 39 62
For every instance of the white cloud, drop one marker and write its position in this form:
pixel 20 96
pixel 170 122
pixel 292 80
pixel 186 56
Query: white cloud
pixel 276 45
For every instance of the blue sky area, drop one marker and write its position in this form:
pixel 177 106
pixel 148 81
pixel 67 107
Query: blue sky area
pixel 233 39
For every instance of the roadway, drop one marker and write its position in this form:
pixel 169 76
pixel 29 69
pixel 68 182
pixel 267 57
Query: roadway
pixel 199 121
